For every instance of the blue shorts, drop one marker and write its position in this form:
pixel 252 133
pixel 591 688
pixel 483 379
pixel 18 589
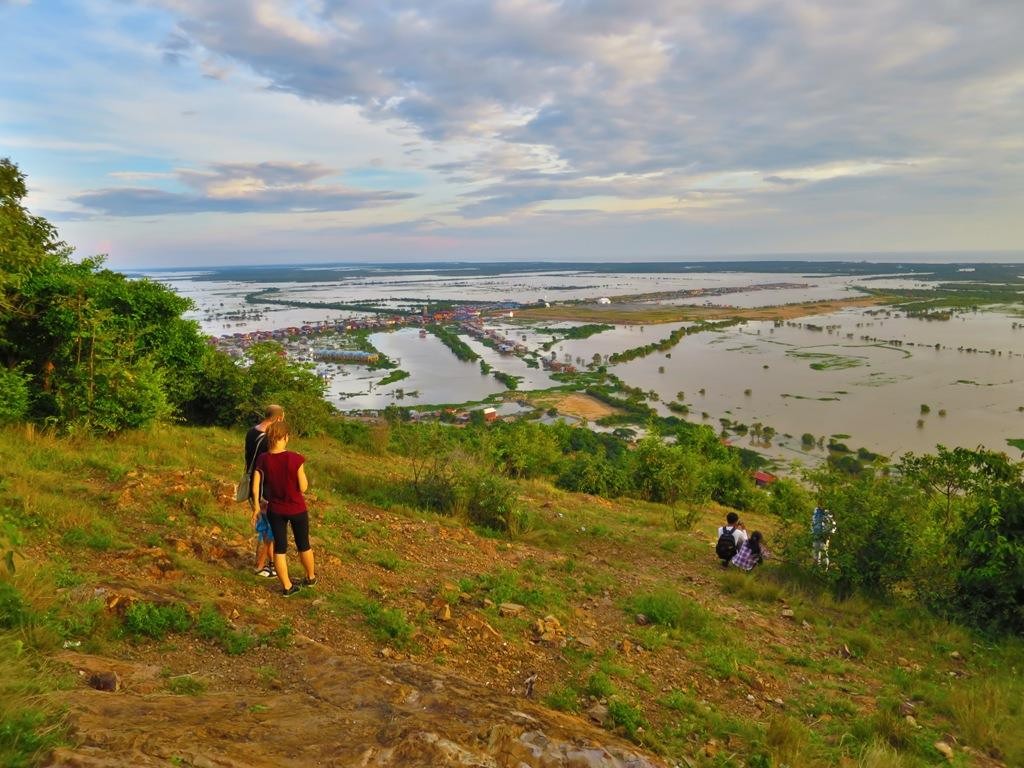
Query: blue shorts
pixel 263 532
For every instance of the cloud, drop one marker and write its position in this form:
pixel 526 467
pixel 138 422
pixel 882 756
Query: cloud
pixel 269 187
pixel 606 89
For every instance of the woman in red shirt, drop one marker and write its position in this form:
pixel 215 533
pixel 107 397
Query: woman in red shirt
pixel 283 475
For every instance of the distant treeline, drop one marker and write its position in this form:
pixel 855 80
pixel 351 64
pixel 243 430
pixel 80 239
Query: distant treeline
pixel 263 297
pixel 451 339
pixel 669 341
pixel 575 332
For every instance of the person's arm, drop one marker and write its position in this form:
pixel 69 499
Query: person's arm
pixel 303 482
pixel 254 499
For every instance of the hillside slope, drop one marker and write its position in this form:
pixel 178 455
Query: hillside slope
pixel 134 573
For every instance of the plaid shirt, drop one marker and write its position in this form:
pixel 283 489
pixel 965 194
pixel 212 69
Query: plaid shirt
pixel 746 559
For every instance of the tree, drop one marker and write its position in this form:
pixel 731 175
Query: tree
pixel 954 473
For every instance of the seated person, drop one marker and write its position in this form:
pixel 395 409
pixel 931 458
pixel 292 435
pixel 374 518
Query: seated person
pixel 751 553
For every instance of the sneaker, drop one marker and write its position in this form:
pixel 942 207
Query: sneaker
pixel 266 572
pixel 292 590
pixel 309 582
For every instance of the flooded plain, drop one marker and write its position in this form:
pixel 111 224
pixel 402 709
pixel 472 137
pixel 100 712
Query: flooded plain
pixel 847 379
pixel 862 373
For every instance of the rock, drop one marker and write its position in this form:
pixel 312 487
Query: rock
pixel 586 641
pixel 911 721
pixel 907 708
pixel 511 609
pixel 711 748
pixel 955 655
pixel 944 749
pixel 105 681
pixel 598 713
pixel 626 647
pixel 778 702
pixel 443 612
pixel 845 652
pixel 805 624
pixel 641 619
pixel 549 630
pixel 488 603
pixel 787 613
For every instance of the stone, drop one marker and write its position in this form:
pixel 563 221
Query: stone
pixel 549 630
pixel 105 681
pixel 598 713
pixel 944 749
pixel 626 647
pixel 955 655
pixel 805 624
pixel 488 603
pixel 511 609
pixel 443 612
pixel 911 721
pixel 907 708
pixel 711 748
pixel 641 619
pixel 586 641
pixel 787 613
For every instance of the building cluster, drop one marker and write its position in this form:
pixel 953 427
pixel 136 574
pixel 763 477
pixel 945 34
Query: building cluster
pixel 502 343
pixel 235 344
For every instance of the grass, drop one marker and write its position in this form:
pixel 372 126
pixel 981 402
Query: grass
pixel 186 685
pixel 667 608
pixel 750 587
pixel 211 625
pixel 564 698
pixel 788 740
pixel 680 691
pixel 600 686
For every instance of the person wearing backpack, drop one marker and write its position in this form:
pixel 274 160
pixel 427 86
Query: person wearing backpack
pixel 730 537
pixel 823 525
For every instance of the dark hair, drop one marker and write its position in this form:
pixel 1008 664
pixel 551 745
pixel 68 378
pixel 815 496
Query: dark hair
pixel 277 432
pixel 732 518
pixel 754 542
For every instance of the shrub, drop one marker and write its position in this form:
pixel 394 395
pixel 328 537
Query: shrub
pixel 14 395
pixel 990 577
pixel 155 621
pixel 13 611
pixel 493 502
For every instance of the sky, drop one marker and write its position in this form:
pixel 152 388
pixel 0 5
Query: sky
pixel 191 132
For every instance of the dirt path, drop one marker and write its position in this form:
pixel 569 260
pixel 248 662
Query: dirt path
pixel 335 710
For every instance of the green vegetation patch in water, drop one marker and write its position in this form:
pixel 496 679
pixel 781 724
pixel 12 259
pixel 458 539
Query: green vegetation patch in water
pixel 827 361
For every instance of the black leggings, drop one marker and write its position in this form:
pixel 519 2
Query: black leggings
pixel 300 530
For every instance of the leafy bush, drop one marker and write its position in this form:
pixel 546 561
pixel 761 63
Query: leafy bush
pixel 13 611
pixel 990 577
pixel 14 395
pixel 493 502
pixel 155 621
